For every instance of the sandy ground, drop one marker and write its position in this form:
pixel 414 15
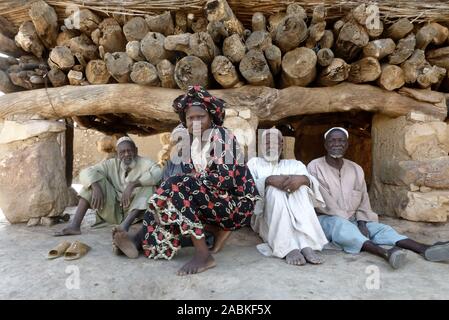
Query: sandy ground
pixel 241 272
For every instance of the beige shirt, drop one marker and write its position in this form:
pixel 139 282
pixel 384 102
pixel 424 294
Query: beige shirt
pixel 344 191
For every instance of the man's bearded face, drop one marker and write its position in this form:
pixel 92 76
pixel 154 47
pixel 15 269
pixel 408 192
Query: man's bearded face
pixel 127 153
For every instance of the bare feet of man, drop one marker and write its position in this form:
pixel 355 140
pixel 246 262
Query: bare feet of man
pixel 125 243
pixel 220 238
pixel 295 257
pixel 311 256
pixel 199 263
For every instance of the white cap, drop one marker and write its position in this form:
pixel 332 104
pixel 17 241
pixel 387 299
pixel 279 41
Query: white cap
pixel 122 139
pixel 337 128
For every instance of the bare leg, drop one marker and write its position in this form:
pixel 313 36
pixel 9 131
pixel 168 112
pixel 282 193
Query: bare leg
pixel 220 237
pixel 394 256
pixel 295 257
pixel 128 243
pixel 413 246
pixel 201 261
pixel 75 226
pixel 311 256
pixel 129 219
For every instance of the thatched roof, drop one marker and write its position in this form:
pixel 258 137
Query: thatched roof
pixel 430 10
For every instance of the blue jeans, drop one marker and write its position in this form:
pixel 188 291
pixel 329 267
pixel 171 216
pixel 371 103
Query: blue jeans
pixel 346 234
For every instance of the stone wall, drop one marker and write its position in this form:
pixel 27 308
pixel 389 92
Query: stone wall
pixel 411 167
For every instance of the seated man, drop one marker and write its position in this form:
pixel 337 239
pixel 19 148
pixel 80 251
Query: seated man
pixel 118 188
pixel 348 220
pixel 285 218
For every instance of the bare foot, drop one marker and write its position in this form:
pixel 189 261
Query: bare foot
pixel 116 250
pixel 311 256
pixel 199 263
pixel 220 239
pixel 125 244
pixel 68 231
pixel 295 257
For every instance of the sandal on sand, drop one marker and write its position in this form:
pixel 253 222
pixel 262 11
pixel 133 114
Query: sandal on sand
pixel 76 251
pixel 59 250
pixel 397 259
pixel 438 252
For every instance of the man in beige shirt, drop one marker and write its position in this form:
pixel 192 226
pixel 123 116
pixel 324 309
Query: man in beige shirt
pixel 118 188
pixel 347 220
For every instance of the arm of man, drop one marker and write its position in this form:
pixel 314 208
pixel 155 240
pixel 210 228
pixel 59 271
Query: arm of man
pixel 127 193
pixel 276 181
pixel 294 182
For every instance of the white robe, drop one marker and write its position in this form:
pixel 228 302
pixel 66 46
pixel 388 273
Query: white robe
pixel 286 221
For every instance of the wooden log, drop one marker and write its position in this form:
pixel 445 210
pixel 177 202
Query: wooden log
pixel 61 58
pixel 336 72
pixel 28 39
pixel 364 70
pixel 274 58
pixel 430 75
pixel 25 79
pixel 351 39
pixel 190 71
pixel 83 20
pixel 45 22
pixel 119 65
pixel 75 77
pixel 83 48
pixel 178 42
pixel 219 10
pixel 65 35
pixel 316 32
pixel 274 20
pixel 97 72
pixel 439 57
pixel 379 49
pixel 360 14
pixel 255 69
pixel 57 78
pixel 153 104
pixel 259 40
pixel 7 28
pixel 258 22
pixel 442 34
pixel 375 30
pixel 109 35
pixel 290 33
pixel 6 62
pixel 9 47
pixel 294 9
pixel 217 31
pixel 404 50
pixel 180 22
pixel 152 47
pixel 162 23
pixel 327 41
pixel 391 77
pixel 6 86
pixel 425 36
pixel 197 23
pixel 319 14
pixel 298 67
pixel 399 29
pixel 233 48
pixel 133 51
pixel 224 72
pixel 325 57
pixel 145 73
pixel 121 18
pixel 166 73
pixel 337 27
pixel 202 46
pixel 135 29
pixel 413 66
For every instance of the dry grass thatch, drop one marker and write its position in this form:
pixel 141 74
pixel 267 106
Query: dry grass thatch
pixel 430 10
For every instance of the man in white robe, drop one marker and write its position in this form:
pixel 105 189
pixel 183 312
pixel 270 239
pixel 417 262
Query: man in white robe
pixel 285 218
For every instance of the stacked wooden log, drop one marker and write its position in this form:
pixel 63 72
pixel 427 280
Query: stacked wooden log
pixel 178 49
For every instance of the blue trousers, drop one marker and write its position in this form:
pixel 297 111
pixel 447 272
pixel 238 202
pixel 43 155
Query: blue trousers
pixel 346 234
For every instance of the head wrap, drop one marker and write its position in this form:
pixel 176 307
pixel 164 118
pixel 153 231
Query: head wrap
pixel 337 128
pixel 123 139
pixel 198 96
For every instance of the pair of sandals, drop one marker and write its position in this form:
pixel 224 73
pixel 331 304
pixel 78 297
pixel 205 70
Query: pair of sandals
pixel 70 251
